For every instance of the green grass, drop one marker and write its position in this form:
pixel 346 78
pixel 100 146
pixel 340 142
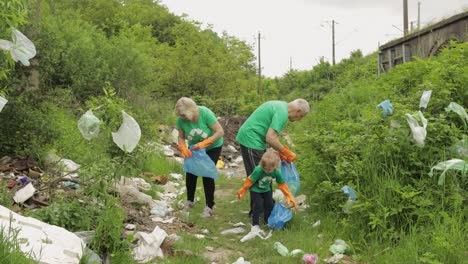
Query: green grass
pixel 10 252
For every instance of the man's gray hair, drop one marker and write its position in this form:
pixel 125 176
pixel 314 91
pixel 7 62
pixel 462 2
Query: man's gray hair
pixel 302 105
pixel 185 106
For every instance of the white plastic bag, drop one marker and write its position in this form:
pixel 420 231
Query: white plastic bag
pixel 419 132
pixel 88 124
pixel 453 164
pixel 3 102
pixel 425 97
pixel 128 135
pixel 21 49
pixel 459 110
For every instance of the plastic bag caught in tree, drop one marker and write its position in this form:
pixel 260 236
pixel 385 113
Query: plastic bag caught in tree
pixel 459 110
pixel 460 149
pixel 419 132
pixel 21 49
pixel 453 164
pixel 3 102
pixel 425 97
pixel 128 135
pixel 387 108
pixel 88 125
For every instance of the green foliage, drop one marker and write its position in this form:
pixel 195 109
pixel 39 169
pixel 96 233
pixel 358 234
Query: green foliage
pixel 6 198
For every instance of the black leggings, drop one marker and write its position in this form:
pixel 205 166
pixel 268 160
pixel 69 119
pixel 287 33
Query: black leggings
pixel 251 158
pixel 208 183
pixel 261 202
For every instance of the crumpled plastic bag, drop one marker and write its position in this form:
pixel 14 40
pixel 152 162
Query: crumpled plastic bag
pixel 339 247
pixel 459 110
pixel 3 102
pixel 128 135
pixel 425 97
pixel 150 245
pixel 460 149
pixel 254 233
pixel 419 132
pixel 88 124
pixel 387 108
pixel 453 164
pixel 351 193
pixel 21 49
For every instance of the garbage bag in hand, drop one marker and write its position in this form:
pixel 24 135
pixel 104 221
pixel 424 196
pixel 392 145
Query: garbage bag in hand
pixel 89 125
pixel 279 216
pixel 291 176
pixel 200 164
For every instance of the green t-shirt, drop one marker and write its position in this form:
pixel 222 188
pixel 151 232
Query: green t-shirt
pixel 272 114
pixel 199 131
pixel 262 180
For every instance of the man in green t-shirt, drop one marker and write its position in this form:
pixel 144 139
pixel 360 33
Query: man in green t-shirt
pixel 263 127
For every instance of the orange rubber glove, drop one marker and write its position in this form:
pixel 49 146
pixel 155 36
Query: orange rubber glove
pixel 184 151
pixel 287 193
pixel 287 155
pixel 247 184
pixel 203 144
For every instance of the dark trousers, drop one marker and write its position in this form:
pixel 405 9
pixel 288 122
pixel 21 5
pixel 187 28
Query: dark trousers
pixel 208 183
pixel 261 202
pixel 251 158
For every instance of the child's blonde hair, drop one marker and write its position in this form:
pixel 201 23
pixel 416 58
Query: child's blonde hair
pixel 270 157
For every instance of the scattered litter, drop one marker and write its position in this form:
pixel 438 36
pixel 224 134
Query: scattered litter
pixel 237 230
pixel 209 248
pixel 239 224
pixel 339 247
pixel 205 231
pixel 176 176
pixel 460 149
pixel 21 49
pixel 334 259
pixel 310 258
pixel 459 110
pixel 149 245
pixel 3 102
pixel 316 224
pixel 88 124
pixel 71 185
pixel 141 184
pixel 199 236
pixel 24 193
pixel 283 251
pixel 425 97
pixel 387 108
pixel 130 227
pixel 254 232
pixel 128 135
pixel 453 164
pixel 164 221
pixel 419 132
pixel 241 260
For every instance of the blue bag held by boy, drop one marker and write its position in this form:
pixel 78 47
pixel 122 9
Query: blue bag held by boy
pixel 291 176
pixel 279 216
pixel 200 164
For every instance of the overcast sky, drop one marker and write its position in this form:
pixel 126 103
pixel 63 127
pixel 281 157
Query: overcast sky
pixel 299 31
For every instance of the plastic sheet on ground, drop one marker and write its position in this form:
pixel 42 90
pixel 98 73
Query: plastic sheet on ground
pixel 149 245
pixel 3 102
pixel 444 166
pixel 128 135
pixel 419 132
pixel 88 124
pixel 21 48
pixel 48 244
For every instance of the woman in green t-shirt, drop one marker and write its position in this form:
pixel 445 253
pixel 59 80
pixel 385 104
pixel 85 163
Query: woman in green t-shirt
pixel 199 126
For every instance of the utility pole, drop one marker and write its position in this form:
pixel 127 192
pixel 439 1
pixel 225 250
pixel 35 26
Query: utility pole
pixel 405 17
pixel 259 67
pixel 333 41
pixel 419 15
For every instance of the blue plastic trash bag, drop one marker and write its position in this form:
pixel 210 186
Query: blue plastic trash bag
pixel 387 108
pixel 200 164
pixel 350 192
pixel 291 176
pixel 279 216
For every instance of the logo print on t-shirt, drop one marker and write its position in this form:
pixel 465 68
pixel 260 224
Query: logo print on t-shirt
pixel 197 132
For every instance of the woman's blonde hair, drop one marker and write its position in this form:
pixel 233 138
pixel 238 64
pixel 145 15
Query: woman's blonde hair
pixel 186 106
pixel 270 157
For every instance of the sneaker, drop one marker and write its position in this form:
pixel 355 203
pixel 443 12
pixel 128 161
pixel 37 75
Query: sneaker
pixel 207 212
pixel 188 205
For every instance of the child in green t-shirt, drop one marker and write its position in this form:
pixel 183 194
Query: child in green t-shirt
pixel 259 184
